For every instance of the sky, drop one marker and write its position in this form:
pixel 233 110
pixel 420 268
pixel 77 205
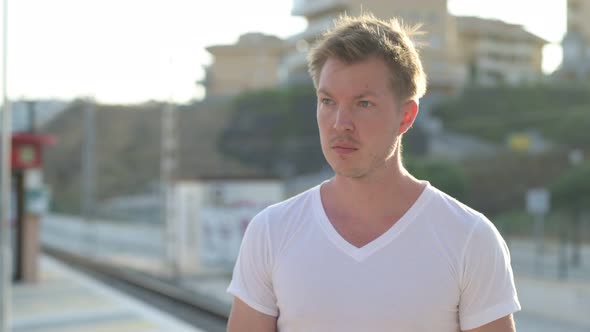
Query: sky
pixel 130 51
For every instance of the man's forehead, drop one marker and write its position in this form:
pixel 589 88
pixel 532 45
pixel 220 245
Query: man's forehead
pixel 367 76
pixel 360 87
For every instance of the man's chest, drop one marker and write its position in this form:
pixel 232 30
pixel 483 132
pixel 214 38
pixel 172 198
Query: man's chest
pixel 409 290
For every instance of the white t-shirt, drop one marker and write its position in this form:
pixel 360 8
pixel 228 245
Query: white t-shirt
pixel 442 267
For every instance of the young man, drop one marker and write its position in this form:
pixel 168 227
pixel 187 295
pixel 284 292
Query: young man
pixel 373 248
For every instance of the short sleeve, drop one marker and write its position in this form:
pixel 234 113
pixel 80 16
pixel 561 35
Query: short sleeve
pixel 251 280
pixel 487 284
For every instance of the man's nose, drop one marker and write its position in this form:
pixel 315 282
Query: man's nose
pixel 343 121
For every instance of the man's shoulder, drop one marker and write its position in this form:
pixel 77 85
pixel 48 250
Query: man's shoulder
pixel 291 210
pixel 449 211
pixel 284 220
pixel 303 200
pixel 448 202
pixel 456 224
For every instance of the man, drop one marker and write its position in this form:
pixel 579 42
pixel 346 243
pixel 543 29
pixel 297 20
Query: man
pixel 373 248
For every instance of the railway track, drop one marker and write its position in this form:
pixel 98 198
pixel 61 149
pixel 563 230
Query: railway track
pixel 198 310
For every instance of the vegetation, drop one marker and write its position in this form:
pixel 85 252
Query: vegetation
pixel 559 112
pixel 275 130
pixel 444 175
pixel 571 192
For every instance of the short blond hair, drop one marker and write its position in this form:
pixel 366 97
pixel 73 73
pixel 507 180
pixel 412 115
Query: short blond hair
pixel 354 39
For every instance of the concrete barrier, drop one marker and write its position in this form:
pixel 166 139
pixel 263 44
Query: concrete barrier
pixel 567 301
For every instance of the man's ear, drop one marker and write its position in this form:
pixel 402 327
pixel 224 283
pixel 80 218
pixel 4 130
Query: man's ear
pixel 409 112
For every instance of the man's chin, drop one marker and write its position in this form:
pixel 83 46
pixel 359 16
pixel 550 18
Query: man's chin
pixel 349 173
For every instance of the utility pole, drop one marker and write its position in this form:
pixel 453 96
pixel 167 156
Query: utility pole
pixel 89 171
pixel 5 174
pixel 32 116
pixel 168 165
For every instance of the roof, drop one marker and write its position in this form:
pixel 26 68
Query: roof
pixel 252 41
pixel 491 27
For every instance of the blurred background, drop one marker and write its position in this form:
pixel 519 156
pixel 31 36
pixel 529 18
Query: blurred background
pixel 146 134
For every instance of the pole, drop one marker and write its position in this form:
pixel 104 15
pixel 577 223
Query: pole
pixel 32 119
pixel 5 231
pixel 88 175
pixel 539 239
pixel 167 168
pixel 168 163
pixel 562 268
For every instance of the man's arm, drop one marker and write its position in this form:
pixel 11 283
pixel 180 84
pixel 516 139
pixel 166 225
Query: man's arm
pixel 504 324
pixel 243 318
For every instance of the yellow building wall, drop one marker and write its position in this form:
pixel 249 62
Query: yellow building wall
pixel 237 68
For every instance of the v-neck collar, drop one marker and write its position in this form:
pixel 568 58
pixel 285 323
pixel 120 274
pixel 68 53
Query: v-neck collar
pixel 360 254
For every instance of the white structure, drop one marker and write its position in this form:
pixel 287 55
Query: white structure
pixel 210 217
pixel 499 53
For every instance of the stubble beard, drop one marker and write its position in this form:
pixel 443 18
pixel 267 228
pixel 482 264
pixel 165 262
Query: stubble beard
pixel 377 161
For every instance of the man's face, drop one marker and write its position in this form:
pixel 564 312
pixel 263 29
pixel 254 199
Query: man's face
pixel 359 118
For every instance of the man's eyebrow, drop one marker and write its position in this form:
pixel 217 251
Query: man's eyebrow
pixel 362 95
pixel 366 94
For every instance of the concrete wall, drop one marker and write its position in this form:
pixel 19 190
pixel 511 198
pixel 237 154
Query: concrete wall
pixel 566 301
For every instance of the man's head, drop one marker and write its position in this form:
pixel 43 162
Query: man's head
pixel 368 79
pixel 353 39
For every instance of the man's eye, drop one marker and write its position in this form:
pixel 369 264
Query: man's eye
pixel 327 101
pixel 365 103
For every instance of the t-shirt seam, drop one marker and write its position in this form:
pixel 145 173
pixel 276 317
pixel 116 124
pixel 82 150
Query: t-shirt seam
pixel 269 245
pixel 501 309
pixel 246 298
pixel 300 225
pixel 464 252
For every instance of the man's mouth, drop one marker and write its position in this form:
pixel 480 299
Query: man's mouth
pixel 344 149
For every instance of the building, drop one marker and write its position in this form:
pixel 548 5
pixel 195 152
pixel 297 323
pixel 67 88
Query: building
pixel 441 61
pixel 496 52
pixel 455 50
pixel 576 43
pixel 250 64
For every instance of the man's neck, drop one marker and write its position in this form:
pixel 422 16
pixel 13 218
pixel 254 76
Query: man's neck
pixel 390 192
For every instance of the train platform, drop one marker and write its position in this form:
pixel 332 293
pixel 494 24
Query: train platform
pixel 65 300
pixel 69 301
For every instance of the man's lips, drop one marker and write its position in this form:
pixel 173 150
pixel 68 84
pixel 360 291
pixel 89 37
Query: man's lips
pixel 344 149
pixel 343 145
